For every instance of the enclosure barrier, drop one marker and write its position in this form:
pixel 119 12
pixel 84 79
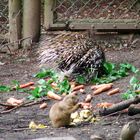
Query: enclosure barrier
pixel 94 14
pixel 21 20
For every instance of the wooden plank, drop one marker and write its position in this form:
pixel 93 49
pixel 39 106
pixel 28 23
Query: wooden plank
pixel 102 20
pixel 48 13
pixel 57 26
pixel 105 26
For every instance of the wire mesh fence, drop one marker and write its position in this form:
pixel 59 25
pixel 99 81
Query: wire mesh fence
pixel 3 21
pixel 75 11
pixel 9 37
pixel 98 11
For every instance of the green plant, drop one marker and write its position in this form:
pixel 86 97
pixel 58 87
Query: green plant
pixel 134 88
pixel 114 72
pixel 46 85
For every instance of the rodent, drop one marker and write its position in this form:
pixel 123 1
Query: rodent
pixel 74 56
pixel 61 111
pixel 129 131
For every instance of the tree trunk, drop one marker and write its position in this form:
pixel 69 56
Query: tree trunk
pixel 14 22
pixel 31 21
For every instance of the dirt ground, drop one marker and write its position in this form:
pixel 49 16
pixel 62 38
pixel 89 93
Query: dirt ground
pixel 13 125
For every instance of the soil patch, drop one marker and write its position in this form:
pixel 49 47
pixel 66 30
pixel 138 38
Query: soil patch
pixel 13 125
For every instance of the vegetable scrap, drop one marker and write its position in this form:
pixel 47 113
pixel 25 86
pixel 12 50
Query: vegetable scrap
pixel 14 102
pixel 33 126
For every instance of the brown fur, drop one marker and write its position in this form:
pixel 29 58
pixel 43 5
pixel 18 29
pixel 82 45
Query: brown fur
pixel 60 112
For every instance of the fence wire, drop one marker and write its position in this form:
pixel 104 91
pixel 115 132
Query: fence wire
pixel 103 10
pixel 3 21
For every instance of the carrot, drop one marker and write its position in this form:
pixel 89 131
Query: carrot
pixel 73 84
pixel 99 86
pixel 104 105
pixel 52 95
pixel 26 85
pixel 113 91
pixel 54 85
pixel 78 87
pixel 88 98
pixel 74 93
pixel 86 105
pixel 82 91
pixel 102 89
pixel 43 106
pixel 32 87
pixel 137 91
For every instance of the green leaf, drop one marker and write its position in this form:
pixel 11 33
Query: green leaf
pixel 80 79
pixel 4 88
pixel 16 84
pixel 134 69
pixel 31 97
pixel 64 86
pixel 133 80
pixel 36 92
pixel 45 73
pixel 41 82
pixel 109 67
pixel 125 65
pixel 127 96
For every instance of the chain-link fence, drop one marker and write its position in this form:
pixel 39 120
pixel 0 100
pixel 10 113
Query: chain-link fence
pixel 3 21
pixel 116 12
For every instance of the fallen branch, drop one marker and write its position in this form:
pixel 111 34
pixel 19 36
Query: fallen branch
pixel 133 110
pixel 119 106
pixel 30 103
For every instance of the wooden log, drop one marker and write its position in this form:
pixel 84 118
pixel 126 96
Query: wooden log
pixel 119 106
pixel 134 109
pixel 31 21
pixel 15 22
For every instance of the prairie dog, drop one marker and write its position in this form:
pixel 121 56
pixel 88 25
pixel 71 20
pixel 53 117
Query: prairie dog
pixel 129 131
pixel 60 112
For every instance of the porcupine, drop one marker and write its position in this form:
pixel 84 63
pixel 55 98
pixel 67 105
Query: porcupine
pixel 83 57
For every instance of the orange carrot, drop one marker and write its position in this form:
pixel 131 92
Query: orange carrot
pixel 52 95
pixel 88 98
pixel 43 106
pixel 32 87
pixel 82 91
pixel 78 87
pixel 99 86
pixel 86 105
pixel 104 105
pixel 74 93
pixel 102 89
pixel 54 85
pixel 137 91
pixel 113 91
pixel 73 84
pixel 26 85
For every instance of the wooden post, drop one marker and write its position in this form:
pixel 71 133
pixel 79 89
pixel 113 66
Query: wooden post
pixel 31 21
pixel 14 22
pixel 48 13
